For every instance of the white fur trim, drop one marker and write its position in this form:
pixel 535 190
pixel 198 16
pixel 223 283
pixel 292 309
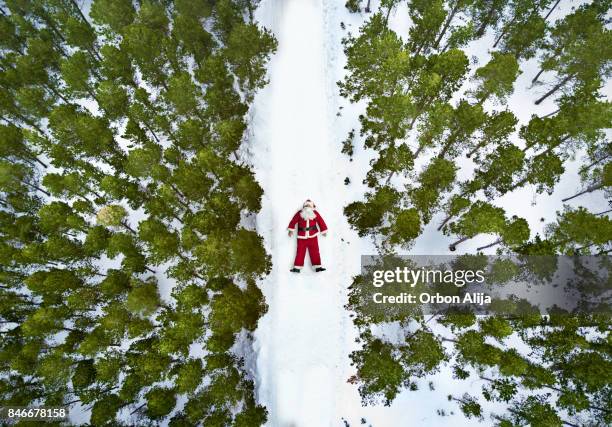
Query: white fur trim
pixel 316 266
pixel 298 266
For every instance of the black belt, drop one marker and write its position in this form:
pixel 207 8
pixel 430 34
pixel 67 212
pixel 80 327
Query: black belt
pixel 312 227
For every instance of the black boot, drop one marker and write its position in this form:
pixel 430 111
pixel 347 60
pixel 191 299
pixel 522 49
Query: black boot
pixel 295 270
pixel 319 269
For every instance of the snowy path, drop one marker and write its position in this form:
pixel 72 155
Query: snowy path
pixel 301 341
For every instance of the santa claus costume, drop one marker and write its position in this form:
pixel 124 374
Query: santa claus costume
pixel 309 224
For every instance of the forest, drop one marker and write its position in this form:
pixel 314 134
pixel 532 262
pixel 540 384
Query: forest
pixel 120 173
pixel 428 107
pixel 130 255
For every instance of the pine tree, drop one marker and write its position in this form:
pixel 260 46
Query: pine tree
pixel 577 230
pixel 366 217
pixel 496 78
pixel 481 217
pixel 434 181
pixel 77 92
pixel 602 179
pixel 578 48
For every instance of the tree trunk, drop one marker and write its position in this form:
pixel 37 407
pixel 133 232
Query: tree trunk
pixel 388 13
pixel 93 95
pixel 36 187
pixel 475 149
pixel 537 76
pixel 418 151
pixel 553 90
pixel 550 11
pixel 80 12
pixel 504 31
pixel 94 192
pixel 138 408
pixel 447 146
pixel 56 93
pixel 52 26
pixel 490 245
pixel 418 50
pixel 453 246
pixel 389 178
pixel 176 217
pixel 93 53
pixel 181 196
pixel 448 218
pixel 414 119
pixel 446 25
pixel 147 127
pixel 26 159
pixel 481 30
pixel 588 190
pixel 550 147
pixel 585 247
pixel 519 184
pixel 9 121
pixel 30 123
pixel 127 227
pixel 186 259
pixel 468 191
pixel 367 9
pixel 551 114
pixel 590 165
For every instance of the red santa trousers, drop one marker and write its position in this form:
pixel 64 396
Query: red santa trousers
pixel 312 245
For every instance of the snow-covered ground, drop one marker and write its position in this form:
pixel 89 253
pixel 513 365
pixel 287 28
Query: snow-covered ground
pixel 301 341
pixel 302 344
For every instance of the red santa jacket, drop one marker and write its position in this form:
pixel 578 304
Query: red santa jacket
pixel 307 228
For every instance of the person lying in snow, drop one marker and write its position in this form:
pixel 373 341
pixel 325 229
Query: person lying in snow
pixel 309 223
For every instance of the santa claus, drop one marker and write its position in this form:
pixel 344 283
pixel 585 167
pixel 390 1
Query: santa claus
pixel 309 224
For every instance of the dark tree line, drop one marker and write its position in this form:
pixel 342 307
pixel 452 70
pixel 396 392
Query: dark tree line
pixel 127 268
pixel 416 109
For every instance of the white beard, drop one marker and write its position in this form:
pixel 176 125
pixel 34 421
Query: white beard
pixel 307 213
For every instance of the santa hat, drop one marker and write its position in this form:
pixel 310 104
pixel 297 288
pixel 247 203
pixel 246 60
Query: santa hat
pixel 309 201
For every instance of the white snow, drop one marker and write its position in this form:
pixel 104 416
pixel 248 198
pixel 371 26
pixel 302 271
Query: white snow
pixel 301 340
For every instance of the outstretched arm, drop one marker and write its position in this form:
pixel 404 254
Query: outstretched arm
pixel 321 223
pixel 293 223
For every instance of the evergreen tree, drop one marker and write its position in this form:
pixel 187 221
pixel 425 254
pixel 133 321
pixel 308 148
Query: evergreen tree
pixel 434 181
pixel 116 102
pixel 578 49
